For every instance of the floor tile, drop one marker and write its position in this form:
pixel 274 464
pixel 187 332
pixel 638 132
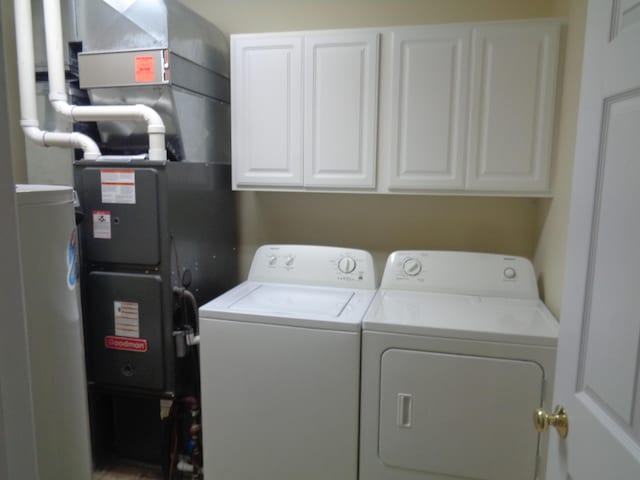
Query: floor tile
pixel 126 472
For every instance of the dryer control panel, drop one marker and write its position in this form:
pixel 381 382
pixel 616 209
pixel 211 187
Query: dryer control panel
pixel 313 265
pixel 463 273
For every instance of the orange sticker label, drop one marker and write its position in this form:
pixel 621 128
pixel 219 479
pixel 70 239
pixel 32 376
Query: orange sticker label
pixel 144 68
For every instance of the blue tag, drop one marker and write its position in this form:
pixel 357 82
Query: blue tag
pixel 72 260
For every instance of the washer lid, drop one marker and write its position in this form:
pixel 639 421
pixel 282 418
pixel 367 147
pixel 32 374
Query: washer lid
pixel 293 305
pixel 507 320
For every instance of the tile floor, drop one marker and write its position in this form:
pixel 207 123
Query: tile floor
pixel 127 472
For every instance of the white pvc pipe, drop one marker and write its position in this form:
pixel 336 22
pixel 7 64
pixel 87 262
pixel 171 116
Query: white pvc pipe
pixel 27 82
pixel 58 95
pixel 155 125
pixel 26 70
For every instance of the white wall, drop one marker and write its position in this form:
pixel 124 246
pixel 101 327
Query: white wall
pixel 17 441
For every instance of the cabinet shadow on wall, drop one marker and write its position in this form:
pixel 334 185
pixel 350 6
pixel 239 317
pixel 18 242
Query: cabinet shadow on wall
pixel 384 223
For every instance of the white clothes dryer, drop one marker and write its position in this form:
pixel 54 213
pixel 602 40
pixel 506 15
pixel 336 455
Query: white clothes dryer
pixel 458 350
pixel 280 366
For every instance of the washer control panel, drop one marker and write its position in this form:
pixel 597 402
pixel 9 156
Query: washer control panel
pixel 469 273
pixel 347 264
pixel 313 265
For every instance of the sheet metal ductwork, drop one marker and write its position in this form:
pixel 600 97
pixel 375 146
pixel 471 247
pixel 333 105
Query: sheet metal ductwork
pixel 158 54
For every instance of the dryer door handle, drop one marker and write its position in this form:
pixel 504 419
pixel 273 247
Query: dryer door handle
pixel 405 410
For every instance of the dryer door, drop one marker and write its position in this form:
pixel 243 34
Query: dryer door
pixel 461 416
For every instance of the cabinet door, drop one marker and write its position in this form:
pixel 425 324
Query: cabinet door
pixel 429 82
pixel 266 100
pixel 341 82
pixel 513 78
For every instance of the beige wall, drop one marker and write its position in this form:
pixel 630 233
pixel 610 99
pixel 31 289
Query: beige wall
pixel 553 215
pixel 236 16
pixel 383 223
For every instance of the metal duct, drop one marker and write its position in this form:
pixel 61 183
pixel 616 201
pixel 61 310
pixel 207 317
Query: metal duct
pixel 160 54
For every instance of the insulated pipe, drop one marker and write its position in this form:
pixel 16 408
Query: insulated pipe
pixel 58 94
pixel 26 77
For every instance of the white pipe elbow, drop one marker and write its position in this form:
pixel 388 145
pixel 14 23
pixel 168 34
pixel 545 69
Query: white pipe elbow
pixel 32 132
pixel 60 105
pixel 28 103
pixel 90 149
pixel 155 125
pixel 156 131
pixel 153 119
pixel 72 140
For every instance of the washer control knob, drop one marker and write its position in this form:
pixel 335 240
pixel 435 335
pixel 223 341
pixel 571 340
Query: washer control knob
pixel 509 273
pixel 289 260
pixel 412 266
pixel 272 259
pixel 346 265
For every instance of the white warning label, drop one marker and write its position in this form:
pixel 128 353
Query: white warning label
pixel 118 186
pixel 127 322
pixel 102 224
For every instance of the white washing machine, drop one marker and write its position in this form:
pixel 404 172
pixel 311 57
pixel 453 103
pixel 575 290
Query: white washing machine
pixel 458 350
pixel 280 366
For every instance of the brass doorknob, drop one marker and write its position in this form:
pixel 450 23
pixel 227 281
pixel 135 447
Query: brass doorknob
pixel 557 419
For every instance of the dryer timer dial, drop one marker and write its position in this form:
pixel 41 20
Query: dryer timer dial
pixel 412 266
pixel 510 273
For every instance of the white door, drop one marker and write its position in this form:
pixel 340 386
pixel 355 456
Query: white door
pixel 341 109
pixel 598 377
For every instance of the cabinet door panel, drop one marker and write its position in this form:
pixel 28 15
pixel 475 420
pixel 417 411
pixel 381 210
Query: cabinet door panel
pixel 513 76
pixel 341 72
pixel 267 110
pixel 429 107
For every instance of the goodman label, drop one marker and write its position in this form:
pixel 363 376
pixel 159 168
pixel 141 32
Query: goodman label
pixel 127 344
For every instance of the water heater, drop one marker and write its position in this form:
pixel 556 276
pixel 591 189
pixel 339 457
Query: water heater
pixel 49 257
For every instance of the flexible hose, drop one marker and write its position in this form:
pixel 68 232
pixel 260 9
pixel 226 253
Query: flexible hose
pixel 183 292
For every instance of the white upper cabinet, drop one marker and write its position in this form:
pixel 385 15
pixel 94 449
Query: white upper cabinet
pixel 513 83
pixel 341 98
pixel 429 75
pixel 304 109
pixel 266 117
pixel 460 109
